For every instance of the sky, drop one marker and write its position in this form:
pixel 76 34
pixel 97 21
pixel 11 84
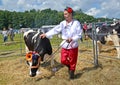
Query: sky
pixel 96 8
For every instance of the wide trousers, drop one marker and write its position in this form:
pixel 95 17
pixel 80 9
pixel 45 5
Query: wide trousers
pixel 69 57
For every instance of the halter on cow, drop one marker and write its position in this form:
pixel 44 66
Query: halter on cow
pixel 106 34
pixel 37 50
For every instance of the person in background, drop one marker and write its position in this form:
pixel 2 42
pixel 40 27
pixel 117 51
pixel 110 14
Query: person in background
pixel 85 29
pixel 5 34
pixel 71 32
pixel 11 34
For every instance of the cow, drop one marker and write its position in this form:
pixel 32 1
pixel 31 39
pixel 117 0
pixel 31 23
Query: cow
pixel 105 34
pixel 38 49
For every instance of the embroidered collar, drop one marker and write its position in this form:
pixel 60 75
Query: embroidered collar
pixel 70 23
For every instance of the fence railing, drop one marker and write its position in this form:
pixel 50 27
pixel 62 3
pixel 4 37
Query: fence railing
pixel 17 47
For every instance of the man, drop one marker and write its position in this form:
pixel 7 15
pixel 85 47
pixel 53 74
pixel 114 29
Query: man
pixel 11 34
pixel 5 34
pixel 85 29
pixel 71 32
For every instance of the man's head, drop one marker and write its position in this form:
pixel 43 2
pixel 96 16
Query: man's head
pixel 68 13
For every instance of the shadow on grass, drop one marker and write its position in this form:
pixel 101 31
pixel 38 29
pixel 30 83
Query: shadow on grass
pixel 81 72
pixel 47 66
pixel 58 66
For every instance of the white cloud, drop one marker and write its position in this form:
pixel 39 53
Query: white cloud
pixel 111 8
pixel 93 11
pixel 20 2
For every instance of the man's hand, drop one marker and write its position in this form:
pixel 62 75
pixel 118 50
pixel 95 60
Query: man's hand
pixel 43 35
pixel 69 40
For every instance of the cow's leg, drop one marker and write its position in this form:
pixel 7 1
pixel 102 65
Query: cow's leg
pixel 115 40
pixel 47 57
pixel 99 47
pixel 52 61
pixel 54 69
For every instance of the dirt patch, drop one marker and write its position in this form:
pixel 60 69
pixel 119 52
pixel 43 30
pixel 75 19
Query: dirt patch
pixel 16 71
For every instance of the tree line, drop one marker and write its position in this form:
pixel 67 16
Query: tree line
pixel 37 18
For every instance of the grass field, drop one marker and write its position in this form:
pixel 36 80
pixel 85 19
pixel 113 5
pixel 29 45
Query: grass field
pixel 14 70
pixel 17 47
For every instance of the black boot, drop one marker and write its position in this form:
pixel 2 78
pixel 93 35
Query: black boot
pixel 68 69
pixel 71 74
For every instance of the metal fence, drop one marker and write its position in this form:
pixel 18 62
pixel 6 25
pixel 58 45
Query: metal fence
pixel 96 55
pixel 12 48
pixel 17 47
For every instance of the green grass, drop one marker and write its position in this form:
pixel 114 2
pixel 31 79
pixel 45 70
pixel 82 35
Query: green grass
pixel 11 45
pixel 11 49
pixel 18 46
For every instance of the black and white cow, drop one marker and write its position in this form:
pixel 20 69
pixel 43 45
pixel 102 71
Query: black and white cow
pixel 106 34
pixel 37 50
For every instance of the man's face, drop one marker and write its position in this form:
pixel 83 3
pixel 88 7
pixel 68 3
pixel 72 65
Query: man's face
pixel 67 15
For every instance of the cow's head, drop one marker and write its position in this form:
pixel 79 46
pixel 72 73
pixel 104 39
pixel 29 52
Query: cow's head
pixel 33 60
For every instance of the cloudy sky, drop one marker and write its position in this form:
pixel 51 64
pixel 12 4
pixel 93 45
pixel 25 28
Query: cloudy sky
pixel 96 8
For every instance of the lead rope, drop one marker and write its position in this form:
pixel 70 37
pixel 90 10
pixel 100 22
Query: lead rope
pixel 54 69
pixel 49 58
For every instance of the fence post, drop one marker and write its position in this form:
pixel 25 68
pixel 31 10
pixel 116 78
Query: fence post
pixel 20 40
pixel 20 44
pixel 94 38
